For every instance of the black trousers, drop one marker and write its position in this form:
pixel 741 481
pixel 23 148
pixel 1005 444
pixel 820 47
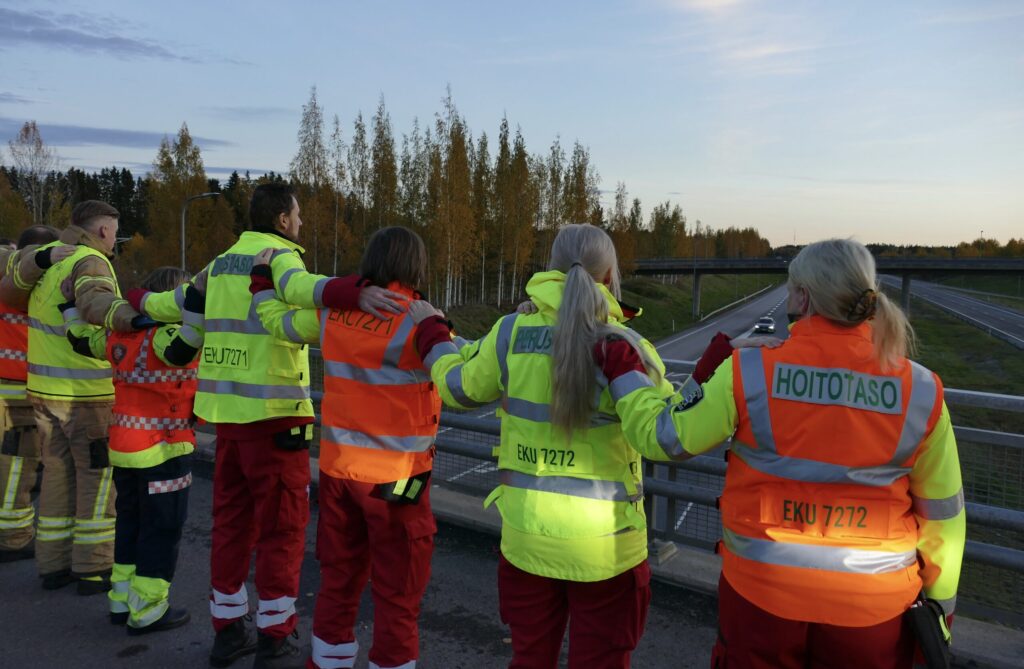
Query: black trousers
pixel 152 505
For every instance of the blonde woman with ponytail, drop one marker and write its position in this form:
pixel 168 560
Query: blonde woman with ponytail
pixel 574 535
pixel 843 523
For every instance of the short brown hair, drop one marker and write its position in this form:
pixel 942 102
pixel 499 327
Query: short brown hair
pixel 165 278
pixel 86 212
pixel 395 254
pixel 38 234
pixel 268 202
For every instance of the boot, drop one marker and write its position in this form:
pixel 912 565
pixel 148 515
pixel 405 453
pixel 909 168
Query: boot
pixel 231 643
pixel 93 585
pixel 26 553
pixel 169 620
pixel 273 653
pixel 57 579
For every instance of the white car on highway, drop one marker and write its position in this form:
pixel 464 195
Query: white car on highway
pixel 765 325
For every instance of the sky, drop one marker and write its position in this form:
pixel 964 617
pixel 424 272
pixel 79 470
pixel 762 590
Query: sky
pixel 886 122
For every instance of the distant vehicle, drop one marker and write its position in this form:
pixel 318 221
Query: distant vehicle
pixel 765 325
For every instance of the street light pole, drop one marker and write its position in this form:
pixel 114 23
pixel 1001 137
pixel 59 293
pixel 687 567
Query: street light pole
pixel 184 214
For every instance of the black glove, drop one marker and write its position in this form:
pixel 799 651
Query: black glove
pixel 64 306
pixel 195 301
pixel 43 258
pixel 142 322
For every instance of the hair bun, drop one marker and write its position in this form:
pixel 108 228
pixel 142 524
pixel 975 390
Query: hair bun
pixel 864 307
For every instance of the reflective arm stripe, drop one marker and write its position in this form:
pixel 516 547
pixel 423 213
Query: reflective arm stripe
pixel 939 509
pixel 66 373
pixel 253 390
pixel 285 278
pixel 629 382
pixel 412 444
pixel 453 381
pixel 812 556
pixel 264 295
pixel 318 292
pixel 374 377
pixel 668 438
pixel 287 322
pixel 444 348
pixel 611 491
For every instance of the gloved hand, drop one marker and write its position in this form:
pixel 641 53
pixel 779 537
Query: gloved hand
pixel 195 301
pixel 135 297
pixel 717 352
pixel 142 322
pixel 64 306
pixel 260 278
pixel 616 357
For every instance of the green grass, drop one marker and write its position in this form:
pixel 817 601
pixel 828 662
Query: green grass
pixel 1007 291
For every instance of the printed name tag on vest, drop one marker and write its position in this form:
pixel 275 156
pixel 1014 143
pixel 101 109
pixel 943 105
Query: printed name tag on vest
pixel 839 387
pixel 825 516
pixel 532 339
pixel 363 322
pixel 226 356
pixel 233 264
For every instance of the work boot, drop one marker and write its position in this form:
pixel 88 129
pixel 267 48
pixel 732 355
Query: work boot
pixel 57 579
pixel 278 653
pixel 13 555
pixel 93 585
pixel 231 643
pixel 169 620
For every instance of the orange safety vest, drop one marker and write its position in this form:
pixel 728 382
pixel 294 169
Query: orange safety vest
pixel 13 344
pixel 152 400
pixel 380 409
pixel 817 522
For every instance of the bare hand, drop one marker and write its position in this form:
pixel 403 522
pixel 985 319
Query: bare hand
pixel 421 310
pixel 527 307
pixel 62 252
pixel 380 302
pixel 263 257
pixel 756 342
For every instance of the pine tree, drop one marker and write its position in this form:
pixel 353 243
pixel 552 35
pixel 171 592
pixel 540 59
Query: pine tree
pixel 483 195
pixel 383 171
pixel 311 172
pixel 359 178
pixel 503 202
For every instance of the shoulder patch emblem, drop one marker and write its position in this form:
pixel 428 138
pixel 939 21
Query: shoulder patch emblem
pixel 117 352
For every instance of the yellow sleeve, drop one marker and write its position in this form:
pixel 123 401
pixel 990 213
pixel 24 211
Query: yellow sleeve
pixel 692 421
pixel 294 284
pixel 470 376
pixel 938 495
pixel 164 307
pixel 283 321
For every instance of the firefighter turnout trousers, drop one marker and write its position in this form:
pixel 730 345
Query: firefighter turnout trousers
pixel 19 462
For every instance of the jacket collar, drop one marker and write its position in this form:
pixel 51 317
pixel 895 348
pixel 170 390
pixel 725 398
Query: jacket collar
pixel 819 325
pixel 545 290
pixel 77 236
pixel 274 239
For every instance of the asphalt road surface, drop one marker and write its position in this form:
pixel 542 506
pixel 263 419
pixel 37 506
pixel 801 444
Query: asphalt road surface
pixel 459 623
pixel 1008 322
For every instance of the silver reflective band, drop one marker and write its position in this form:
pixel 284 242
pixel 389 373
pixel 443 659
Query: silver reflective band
pixel 812 471
pixel 263 296
pixel 374 377
pixel 288 324
pixel 285 278
pixel 610 491
pixel 939 509
pixel 755 392
pixel 453 380
pixel 66 373
pixel 253 390
pixel 629 382
pixel 235 325
pixel 318 292
pixel 340 435
pixel 541 413
pixel 825 558
pixel 666 433
pixel 501 346
pixel 36 324
pixel 334 655
pixel 919 408
pixel 393 351
pixel 444 348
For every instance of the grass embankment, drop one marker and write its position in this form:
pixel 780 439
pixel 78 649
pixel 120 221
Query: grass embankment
pixel 667 306
pixel 1005 290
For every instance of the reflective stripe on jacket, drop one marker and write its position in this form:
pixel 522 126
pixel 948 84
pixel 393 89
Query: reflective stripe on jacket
pixel 380 409
pixel 152 419
pixel 54 369
pixel 245 374
pixel 571 506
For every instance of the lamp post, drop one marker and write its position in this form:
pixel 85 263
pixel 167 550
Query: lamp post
pixel 184 214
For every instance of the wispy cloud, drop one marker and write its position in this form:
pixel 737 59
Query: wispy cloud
pixel 79 135
pixel 79 32
pixel 12 99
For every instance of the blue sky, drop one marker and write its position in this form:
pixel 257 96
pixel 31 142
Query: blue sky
pixel 899 122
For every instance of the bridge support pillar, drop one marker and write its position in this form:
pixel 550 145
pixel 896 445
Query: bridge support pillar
pixel 905 294
pixel 696 296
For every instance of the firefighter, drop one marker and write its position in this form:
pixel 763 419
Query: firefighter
pixel 151 443
pixel 574 534
pixel 843 500
pixel 19 459
pixel 379 418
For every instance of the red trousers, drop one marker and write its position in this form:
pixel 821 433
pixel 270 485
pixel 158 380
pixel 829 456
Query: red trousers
pixel 261 502
pixel 751 638
pixel 606 618
pixel 359 537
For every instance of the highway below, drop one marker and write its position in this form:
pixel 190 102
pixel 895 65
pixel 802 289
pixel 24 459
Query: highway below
pixel 1000 321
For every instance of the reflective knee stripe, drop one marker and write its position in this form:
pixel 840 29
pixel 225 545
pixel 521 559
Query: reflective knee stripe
pixel 411 664
pixel 812 556
pixel 229 607
pixel 275 611
pixel 334 655
pixel 99 507
pixel 16 519
pixel 55 528
pixel 120 586
pixel 142 612
pixel 13 477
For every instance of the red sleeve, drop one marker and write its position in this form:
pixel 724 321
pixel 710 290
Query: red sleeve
pixel 342 293
pixel 134 297
pixel 430 333
pixel 617 357
pixel 260 278
pixel 717 352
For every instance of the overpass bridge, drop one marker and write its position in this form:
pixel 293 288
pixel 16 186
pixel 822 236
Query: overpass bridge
pixel 902 267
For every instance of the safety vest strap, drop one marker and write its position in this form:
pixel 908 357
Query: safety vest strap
pixel 253 390
pixel 610 491
pixel 36 324
pixel 68 373
pixel 388 376
pixel 842 559
pixel 410 444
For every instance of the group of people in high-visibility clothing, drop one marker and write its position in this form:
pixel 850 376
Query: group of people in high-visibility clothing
pixel 843 502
